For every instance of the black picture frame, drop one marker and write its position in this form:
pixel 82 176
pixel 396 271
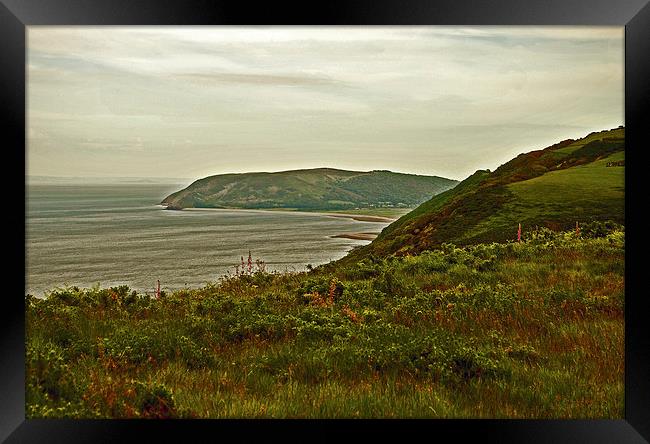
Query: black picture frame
pixel 16 15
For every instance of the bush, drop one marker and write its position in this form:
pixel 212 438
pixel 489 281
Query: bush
pixel 125 345
pixel 392 283
pixel 428 262
pixel 192 354
pixel 598 229
pixel 523 352
pixel 155 401
pixel 67 409
pixel 151 344
pixel 47 374
pixel 469 363
pixel 364 269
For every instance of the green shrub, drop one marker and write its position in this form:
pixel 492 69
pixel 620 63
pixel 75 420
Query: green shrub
pixel 559 295
pixel 523 352
pixel 155 401
pixel 392 283
pixel 469 363
pixel 47 374
pixel 192 354
pixel 63 410
pixel 599 229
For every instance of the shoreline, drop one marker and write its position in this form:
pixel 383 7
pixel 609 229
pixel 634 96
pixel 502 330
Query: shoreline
pixel 356 236
pixel 357 217
pixel 364 236
pixel 362 217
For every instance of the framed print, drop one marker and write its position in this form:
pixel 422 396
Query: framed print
pixel 352 220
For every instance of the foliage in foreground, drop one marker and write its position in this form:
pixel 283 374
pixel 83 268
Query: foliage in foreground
pixel 531 329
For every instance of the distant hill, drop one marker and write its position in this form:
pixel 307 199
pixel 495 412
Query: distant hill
pixel 310 189
pixel 574 180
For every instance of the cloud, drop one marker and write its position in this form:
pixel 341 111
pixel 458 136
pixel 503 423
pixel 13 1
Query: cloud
pixel 340 95
pixel 258 79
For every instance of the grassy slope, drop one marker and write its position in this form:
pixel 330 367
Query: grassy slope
pixel 320 189
pixel 519 330
pixel 583 193
pixel 554 187
pixel 531 330
pixel 437 202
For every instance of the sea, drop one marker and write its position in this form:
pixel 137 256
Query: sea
pixel 118 234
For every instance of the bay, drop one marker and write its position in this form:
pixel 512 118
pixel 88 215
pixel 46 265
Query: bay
pixel 118 234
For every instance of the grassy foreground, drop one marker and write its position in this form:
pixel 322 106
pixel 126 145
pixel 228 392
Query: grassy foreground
pixel 518 330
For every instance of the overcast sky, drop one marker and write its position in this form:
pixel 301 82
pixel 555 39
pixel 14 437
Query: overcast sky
pixel 193 101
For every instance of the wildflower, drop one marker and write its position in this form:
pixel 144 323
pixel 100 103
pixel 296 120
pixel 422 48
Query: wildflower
pixel 350 314
pixel 261 265
pixel 332 290
pixel 519 234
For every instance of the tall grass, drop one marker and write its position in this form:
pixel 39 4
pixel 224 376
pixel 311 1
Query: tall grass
pixel 517 330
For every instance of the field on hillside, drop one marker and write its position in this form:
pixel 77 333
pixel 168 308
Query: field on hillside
pixel 592 190
pixel 515 330
pixel 553 187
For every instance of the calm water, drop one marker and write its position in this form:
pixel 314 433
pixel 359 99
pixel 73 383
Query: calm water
pixel 118 234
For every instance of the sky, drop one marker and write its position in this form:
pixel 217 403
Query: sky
pixel 188 102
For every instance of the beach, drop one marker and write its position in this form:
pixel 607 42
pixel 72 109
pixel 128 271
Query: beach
pixel 356 236
pixel 362 217
pixel 357 217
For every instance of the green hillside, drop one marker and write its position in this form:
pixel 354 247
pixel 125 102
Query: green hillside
pixel 481 329
pixel 504 330
pixel 313 189
pixel 572 181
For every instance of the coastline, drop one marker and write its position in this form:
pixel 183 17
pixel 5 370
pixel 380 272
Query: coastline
pixel 365 236
pixel 356 236
pixel 362 217
pixel 357 217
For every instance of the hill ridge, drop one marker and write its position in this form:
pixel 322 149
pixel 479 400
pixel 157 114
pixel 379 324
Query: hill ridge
pixel 311 189
pixel 553 187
